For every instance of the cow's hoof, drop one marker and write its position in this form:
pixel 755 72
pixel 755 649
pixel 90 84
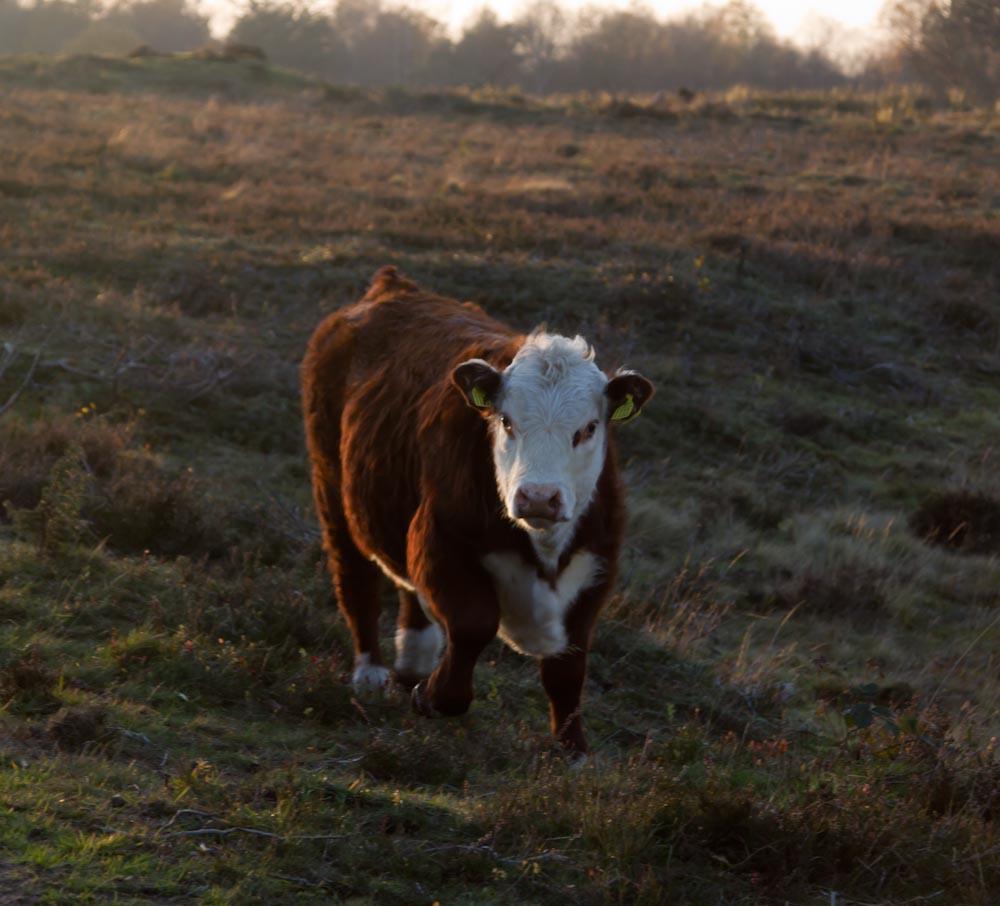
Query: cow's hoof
pixel 369 678
pixel 577 760
pixel 421 701
pixel 407 681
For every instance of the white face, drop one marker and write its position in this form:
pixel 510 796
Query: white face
pixel 548 432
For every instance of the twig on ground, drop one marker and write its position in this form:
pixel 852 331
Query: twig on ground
pixel 295 879
pixel 255 832
pixel 132 735
pixel 229 830
pixel 224 832
pixel 187 811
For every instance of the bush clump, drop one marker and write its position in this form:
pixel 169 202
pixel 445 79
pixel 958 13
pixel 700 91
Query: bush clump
pixel 27 684
pixel 63 479
pixel 846 589
pixel 72 728
pixel 965 521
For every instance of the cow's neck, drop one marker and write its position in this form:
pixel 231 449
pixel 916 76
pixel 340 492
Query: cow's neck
pixel 549 546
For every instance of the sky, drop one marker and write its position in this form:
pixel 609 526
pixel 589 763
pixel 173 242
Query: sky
pixel 795 19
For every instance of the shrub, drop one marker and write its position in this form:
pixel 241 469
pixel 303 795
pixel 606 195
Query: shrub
pixel 964 520
pixel 143 507
pixel 27 684
pixel 62 479
pixel 55 523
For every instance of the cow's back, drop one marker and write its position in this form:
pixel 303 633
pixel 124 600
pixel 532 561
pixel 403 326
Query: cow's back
pixel 375 372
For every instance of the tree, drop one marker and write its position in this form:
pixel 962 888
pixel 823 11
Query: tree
pixel 13 23
pixel 488 53
pixel 951 43
pixel 740 24
pixel 292 36
pixel 617 51
pixel 386 46
pixel 165 25
pixel 543 38
pixel 50 26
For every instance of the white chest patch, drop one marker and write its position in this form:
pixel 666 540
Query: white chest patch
pixel 532 612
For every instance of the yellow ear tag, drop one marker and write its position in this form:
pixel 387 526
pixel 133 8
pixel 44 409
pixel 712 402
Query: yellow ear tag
pixel 625 410
pixel 479 399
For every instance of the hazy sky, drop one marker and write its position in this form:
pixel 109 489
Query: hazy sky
pixel 790 19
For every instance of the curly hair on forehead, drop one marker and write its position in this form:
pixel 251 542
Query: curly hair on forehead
pixel 552 354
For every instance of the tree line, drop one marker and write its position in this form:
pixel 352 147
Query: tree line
pixel 945 43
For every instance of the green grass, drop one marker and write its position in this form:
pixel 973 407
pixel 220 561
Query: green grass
pixel 793 695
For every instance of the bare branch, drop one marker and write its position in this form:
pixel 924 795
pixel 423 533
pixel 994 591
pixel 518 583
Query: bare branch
pixel 27 378
pixel 229 830
pixel 224 832
pixel 254 832
pixel 9 351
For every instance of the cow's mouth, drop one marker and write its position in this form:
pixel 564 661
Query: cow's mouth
pixel 540 523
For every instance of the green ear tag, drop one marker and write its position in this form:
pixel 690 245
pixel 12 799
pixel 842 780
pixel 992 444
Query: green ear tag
pixel 479 399
pixel 625 411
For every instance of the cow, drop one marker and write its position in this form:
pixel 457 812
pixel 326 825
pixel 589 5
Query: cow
pixel 475 467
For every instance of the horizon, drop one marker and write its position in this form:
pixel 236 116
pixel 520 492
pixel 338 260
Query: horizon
pixel 852 24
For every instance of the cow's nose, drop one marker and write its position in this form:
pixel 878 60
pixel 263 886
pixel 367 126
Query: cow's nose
pixel 538 501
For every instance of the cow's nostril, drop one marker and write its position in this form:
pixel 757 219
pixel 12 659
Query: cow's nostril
pixel 538 502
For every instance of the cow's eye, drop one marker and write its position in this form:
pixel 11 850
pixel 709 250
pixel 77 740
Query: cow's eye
pixel 507 426
pixel 584 434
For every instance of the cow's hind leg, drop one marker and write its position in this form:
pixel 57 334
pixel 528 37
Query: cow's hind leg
pixel 355 584
pixel 418 641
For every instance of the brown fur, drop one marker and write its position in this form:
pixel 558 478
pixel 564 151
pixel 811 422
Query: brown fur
pixel 402 471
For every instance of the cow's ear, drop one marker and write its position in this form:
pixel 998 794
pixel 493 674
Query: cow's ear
pixel 479 382
pixel 627 392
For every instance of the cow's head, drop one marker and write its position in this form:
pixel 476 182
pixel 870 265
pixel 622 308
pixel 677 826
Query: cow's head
pixel 548 413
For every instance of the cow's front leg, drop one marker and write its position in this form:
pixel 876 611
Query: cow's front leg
pixel 563 674
pixel 562 677
pixel 461 596
pixel 448 690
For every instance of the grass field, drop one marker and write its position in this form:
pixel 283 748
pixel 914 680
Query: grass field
pixel 793 698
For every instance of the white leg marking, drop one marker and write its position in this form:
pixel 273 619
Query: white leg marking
pixel 368 676
pixel 417 650
pixel 579 761
pixel 426 608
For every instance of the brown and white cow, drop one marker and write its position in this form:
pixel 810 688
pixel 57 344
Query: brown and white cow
pixel 473 466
